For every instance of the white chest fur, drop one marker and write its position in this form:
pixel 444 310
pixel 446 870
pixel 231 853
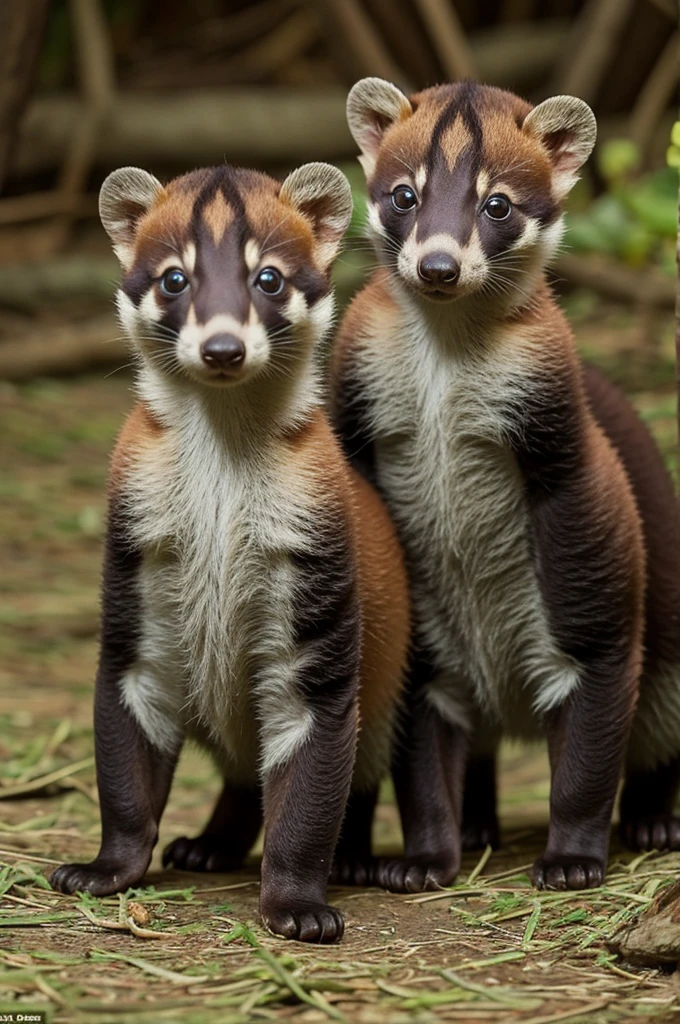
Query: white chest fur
pixel 457 495
pixel 217 584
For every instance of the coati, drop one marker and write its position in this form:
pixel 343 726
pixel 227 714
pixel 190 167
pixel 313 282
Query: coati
pixel 254 593
pixel 541 530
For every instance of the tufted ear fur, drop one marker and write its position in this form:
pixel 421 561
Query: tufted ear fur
pixel 567 128
pixel 373 106
pixel 126 195
pixel 321 192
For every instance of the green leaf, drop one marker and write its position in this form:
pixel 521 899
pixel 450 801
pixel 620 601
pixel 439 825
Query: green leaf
pixel 617 158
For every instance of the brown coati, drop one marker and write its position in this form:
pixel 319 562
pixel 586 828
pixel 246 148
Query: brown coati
pixel 254 593
pixel 541 530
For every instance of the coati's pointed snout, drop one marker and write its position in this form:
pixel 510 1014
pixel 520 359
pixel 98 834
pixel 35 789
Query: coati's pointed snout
pixel 439 269
pixel 223 352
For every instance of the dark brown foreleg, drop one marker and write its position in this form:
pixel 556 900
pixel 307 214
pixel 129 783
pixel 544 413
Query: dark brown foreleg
pixel 305 795
pixel 304 804
pixel 133 776
pixel 227 838
pixel 353 860
pixel 480 818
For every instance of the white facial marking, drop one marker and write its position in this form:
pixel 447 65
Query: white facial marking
pixel 322 315
pixel 189 258
pixel 421 178
pixel 251 253
pixel 148 310
pixel 482 183
pixel 470 258
pixel 374 224
pixel 252 334
pixel 296 309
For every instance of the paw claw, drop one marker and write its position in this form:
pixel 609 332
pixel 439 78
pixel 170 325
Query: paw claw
pixel 318 923
pixel 573 873
pixel 348 871
pixel 477 835
pixel 414 874
pixel 100 878
pixel 202 853
pixel 654 832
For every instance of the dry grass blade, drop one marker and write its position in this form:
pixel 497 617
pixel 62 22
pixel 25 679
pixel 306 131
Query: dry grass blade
pixel 9 792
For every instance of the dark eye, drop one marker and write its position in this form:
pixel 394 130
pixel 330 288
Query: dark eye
pixel 404 198
pixel 269 281
pixel 498 207
pixel 174 281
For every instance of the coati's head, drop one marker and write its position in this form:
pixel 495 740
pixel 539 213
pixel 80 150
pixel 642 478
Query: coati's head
pixel 466 183
pixel 226 271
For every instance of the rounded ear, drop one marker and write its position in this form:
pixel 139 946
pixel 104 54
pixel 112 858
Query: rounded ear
pixel 373 106
pixel 321 192
pixel 567 128
pixel 126 195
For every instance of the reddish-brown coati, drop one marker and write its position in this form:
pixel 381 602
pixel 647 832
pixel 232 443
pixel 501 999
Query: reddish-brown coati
pixel 254 592
pixel 541 530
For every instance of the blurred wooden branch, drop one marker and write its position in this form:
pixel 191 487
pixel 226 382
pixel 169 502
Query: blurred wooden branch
pixel 623 284
pixel 96 70
pixel 588 52
pixel 28 285
pixel 656 94
pixel 194 127
pixel 668 7
pixel 282 45
pixel 36 205
pixel 448 38
pixel 72 349
pixel 243 28
pixel 22 24
pixel 361 39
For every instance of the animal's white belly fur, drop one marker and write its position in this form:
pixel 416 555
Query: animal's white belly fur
pixel 217 587
pixel 455 491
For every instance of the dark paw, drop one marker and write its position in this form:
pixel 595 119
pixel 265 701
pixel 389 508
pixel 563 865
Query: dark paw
pixel 203 853
pixel 414 874
pixel 352 871
pixel 568 873
pixel 101 878
pixel 656 832
pixel 311 922
pixel 477 835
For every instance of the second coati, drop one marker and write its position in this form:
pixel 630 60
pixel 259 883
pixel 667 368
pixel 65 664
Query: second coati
pixel 254 594
pixel 541 529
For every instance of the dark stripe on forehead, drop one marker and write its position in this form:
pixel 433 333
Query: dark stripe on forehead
pixel 223 179
pixel 462 104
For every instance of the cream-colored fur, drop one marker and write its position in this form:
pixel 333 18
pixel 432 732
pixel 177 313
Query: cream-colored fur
pixel 457 496
pixel 218 514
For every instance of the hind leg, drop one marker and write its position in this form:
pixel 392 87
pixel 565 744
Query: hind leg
pixel 226 839
pixel 428 769
pixel 480 819
pixel 647 805
pixel 352 864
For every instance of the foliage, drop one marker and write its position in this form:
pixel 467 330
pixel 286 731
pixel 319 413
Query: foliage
pixel 634 221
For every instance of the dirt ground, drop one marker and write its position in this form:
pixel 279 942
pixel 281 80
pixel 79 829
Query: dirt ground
pixel 189 947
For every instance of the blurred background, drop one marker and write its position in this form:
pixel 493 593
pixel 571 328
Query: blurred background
pixel 90 85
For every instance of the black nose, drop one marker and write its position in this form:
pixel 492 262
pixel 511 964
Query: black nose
pixel 439 268
pixel 223 352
